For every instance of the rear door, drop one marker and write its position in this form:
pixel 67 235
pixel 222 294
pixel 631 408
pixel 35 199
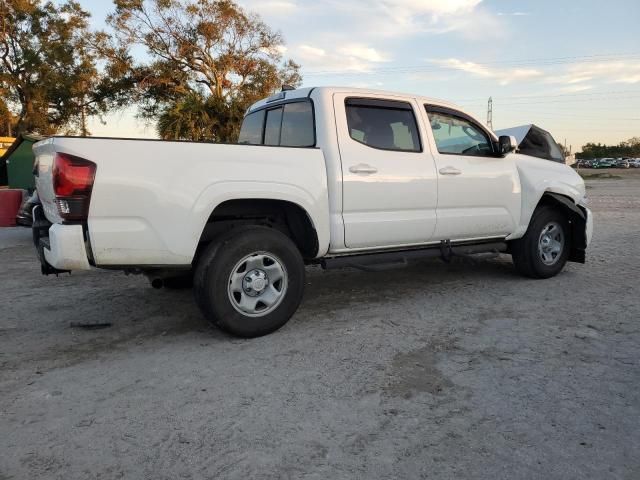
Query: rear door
pixel 478 192
pixel 389 178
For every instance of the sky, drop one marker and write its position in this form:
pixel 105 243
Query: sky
pixel 571 67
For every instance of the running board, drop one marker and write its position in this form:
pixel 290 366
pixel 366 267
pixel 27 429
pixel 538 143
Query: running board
pixel 445 250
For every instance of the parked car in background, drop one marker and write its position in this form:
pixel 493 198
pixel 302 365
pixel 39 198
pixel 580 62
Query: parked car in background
pixel 331 176
pixel 583 164
pixel 634 162
pixel 605 163
pixel 621 163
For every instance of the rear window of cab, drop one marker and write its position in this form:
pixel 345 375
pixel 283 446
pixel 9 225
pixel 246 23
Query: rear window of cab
pixel 286 125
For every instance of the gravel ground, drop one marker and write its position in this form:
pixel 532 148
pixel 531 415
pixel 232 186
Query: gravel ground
pixel 461 371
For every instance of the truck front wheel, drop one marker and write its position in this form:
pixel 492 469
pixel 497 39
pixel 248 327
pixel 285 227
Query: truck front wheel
pixel 544 249
pixel 250 281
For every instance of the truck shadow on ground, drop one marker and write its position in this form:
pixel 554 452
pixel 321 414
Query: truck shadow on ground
pixel 140 316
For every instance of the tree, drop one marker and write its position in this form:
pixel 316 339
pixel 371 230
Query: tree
pixel 630 148
pixel 48 67
pixel 209 61
pixel 8 120
pixel 565 152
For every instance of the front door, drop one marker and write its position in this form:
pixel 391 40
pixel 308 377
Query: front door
pixel 478 192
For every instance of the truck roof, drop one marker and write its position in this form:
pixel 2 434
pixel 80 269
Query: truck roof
pixel 306 92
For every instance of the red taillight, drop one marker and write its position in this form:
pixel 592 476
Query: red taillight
pixel 72 175
pixel 72 184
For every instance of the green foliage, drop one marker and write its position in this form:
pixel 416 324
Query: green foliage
pixel 48 67
pixel 201 118
pixel 8 120
pixel 209 61
pixel 630 148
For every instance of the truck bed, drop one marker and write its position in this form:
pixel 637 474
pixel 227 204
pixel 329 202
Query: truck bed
pixel 151 199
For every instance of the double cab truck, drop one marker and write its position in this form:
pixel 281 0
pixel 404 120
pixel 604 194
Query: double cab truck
pixel 331 176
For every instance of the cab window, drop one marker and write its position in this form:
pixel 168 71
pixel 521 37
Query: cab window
pixel 251 131
pixel 383 124
pixel 457 135
pixel 288 125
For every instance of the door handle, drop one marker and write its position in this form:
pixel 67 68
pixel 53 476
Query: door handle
pixel 449 171
pixel 363 168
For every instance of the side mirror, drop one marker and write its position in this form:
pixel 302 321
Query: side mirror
pixel 507 144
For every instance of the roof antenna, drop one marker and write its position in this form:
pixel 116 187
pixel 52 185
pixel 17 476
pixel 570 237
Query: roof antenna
pixel 286 88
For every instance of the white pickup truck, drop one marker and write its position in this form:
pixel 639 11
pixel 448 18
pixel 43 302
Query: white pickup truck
pixel 330 176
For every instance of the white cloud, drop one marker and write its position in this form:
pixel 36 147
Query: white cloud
pixel 504 76
pixel 607 71
pixel 434 6
pixel 307 51
pixel 401 18
pixel 362 52
pixel 380 18
pixel 353 57
pixel 277 50
pixel 274 6
pixel 576 88
pixel 573 77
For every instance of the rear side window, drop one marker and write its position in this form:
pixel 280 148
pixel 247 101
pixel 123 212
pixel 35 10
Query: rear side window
pixel 383 124
pixel 288 125
pixel 251 131
pixel 297 125
pixel 272 127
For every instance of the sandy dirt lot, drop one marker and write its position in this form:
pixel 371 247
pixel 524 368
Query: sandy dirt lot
pixel 461 371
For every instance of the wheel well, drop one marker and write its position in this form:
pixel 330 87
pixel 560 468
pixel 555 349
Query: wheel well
pixel 288 217
pixel 577 220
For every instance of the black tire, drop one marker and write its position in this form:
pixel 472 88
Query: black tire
pixel 525 252
pixel 213 273
pixel 181 282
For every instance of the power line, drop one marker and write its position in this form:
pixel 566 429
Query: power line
pixel 609 92
pixel 555 101
pixel 510 63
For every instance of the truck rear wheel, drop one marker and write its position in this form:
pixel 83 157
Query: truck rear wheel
pixel 250 281
pixel 544 249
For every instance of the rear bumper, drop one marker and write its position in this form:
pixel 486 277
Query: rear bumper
pixel 66 248
pixel 60 247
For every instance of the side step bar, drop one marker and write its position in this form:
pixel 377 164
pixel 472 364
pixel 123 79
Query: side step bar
pixel 445 250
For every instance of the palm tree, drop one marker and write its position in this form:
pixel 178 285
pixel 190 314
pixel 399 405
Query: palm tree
pixel 188 118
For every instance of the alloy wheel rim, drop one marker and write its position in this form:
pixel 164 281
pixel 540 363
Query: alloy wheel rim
pixel 257 284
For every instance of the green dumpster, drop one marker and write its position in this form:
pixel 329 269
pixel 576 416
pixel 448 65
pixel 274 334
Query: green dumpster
pixel 19 162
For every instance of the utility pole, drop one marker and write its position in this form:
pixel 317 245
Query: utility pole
pixel 490 113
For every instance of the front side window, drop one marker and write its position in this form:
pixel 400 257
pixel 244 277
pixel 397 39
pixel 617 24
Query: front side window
pixel 387 125
pixel 457 135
